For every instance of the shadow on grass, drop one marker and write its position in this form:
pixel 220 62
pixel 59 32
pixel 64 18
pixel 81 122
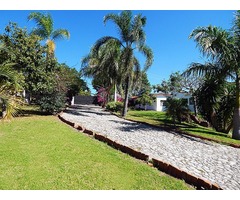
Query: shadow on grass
pixel 30 113
pixel 192 130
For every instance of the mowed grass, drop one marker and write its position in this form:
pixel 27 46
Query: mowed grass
pixel 159 119
pixel 42 153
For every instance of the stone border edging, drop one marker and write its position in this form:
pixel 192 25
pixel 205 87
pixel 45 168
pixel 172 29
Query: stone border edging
pixel 199 183
pixel 181 132
pixel 188 178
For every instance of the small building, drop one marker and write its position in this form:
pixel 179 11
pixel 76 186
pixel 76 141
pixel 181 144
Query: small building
pixel 158 104
pixel 161 98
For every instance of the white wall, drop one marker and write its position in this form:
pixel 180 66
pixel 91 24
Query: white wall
pixel 159 101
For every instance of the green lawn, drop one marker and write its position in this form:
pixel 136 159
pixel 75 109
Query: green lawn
pixel 40 152
pixel 159 119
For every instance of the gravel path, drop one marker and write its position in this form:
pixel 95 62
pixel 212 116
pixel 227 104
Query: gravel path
pixel 217 163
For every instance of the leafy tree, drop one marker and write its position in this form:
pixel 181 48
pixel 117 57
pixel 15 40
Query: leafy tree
pixel 145 99
pixel 70 81
pixel 141 85
pixel 132 37
pixel 26 51
pixel 222 48
pixel 177 109
pixel 215 100
pixel 46 30
pixel 103 66
pixel 172 85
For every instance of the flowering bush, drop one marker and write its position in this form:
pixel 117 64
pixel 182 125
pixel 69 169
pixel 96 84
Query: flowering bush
pixel 102 96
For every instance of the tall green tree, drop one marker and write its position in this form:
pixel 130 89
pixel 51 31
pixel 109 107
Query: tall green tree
pixel 25 50
pixel 215 100
pixel 141 85
pixel 131 38
pixel 45 29
pixel 103 66
pixel 223 49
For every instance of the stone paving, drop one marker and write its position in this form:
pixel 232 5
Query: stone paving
pixel 214 162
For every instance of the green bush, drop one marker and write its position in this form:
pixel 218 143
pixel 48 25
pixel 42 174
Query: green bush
pixel 114 106
pixel 177 109
pixel 51 103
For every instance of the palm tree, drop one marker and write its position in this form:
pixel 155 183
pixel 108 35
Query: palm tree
pixel 177 109
pixel 8 100
pixel 103 65
pixel 132 37
pixel 46 31
pixel 223 50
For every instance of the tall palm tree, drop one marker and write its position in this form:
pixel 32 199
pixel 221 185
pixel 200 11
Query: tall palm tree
pixel 103 65
pixel 132 37
pixel 223 50
pixel 46 30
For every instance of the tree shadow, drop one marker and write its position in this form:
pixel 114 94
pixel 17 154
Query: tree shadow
pixel 87 109
pixel 29 113
pixel 129 127
pixel 74 112
pixel 207 132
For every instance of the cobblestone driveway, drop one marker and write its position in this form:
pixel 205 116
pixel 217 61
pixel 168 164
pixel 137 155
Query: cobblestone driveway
pixel 217 163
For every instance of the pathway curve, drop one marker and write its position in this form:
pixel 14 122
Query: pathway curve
pixel 217 163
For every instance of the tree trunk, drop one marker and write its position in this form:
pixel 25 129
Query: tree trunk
pixel 236 115
pixel 4 110
pixel 125 107
pixel 195 105
pixel 115 93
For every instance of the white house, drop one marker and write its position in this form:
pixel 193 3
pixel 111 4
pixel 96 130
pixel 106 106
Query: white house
pixel 159 103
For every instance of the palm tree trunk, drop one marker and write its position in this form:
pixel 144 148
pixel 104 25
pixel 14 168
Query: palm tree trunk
pixel 115 93
pixel 195 105
pixel 125 107
pixel 236 116
pixel 4 110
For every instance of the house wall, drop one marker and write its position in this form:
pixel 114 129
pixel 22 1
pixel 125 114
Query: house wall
pixel 158 104
pixel 159 101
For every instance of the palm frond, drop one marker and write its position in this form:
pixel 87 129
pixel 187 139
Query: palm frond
pixel 212 41
pixel 198 69
pixel 148 53
pixel 103 41
pixel 44 24
pixel 60 34
pixel 123 23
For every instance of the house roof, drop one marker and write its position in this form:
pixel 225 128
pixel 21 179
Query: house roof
pixel 155 94
pixel 162 94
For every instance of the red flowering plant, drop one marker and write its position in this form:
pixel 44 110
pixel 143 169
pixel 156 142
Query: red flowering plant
pixel 102 96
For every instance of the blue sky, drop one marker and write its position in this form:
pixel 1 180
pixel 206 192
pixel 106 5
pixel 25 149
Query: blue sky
pixel 167 34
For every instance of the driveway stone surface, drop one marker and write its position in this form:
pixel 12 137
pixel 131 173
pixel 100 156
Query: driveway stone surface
pixel 217 163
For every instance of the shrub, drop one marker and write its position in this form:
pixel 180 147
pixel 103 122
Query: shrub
pixel 52 102
pixel 114 106
pixel 177 109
